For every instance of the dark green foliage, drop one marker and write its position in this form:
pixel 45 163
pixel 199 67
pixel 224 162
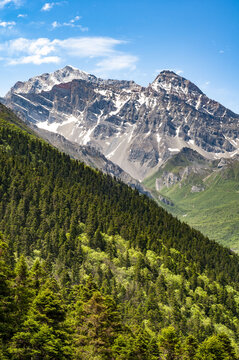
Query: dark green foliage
pixel 43 334
pixel 7 306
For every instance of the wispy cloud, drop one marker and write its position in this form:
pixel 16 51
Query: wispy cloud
pixel 48 6
pixel 35 59
pixel 7 24
pixel 44 50
pixel 74 23
pixel 89 46
pixel 117 62
pixel 205 85
pixel 22 15
pixel 8 2
pixel 55 24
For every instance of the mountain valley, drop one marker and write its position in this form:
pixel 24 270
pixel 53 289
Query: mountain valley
pixel 204 193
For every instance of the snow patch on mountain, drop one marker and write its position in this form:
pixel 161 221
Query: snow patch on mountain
pixel 55 126
pixel 45 82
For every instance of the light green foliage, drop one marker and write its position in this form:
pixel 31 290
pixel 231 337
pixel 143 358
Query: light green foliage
pixel 169 344
pixel 216 347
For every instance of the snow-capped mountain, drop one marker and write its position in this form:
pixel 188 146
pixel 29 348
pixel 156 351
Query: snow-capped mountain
pixel 45 82
pixel 135 127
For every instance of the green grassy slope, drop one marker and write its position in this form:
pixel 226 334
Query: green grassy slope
pixel 214 211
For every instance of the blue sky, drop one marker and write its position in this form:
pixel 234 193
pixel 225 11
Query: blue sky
pixel 126 39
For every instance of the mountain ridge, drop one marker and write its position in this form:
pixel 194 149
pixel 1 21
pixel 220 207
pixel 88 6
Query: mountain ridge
pixel 46 81
pixel 138 128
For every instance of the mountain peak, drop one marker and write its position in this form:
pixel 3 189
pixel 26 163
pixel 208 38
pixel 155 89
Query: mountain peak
pixel 173 83
pixel 168 72
pixel 46 81
pixel 71 69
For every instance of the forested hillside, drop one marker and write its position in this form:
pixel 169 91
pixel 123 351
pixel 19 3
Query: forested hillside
pixel 90 269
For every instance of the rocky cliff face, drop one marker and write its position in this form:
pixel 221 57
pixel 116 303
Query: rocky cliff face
pixel 91 157
pixel 185 165
pixel 136 128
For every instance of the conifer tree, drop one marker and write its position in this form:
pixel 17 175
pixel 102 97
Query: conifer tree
pixel 43 334
pixel 8 319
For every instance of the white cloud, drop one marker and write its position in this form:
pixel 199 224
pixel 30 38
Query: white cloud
pixel 72 23
pixel 47 6
pixel 44 50
pixel 89 46
pixel 76 18
pixel 118 62
pixel 41 46
pixel 35 59
pixel 7 24
pixel 22 15
pixel 179 72
pixel 55 24
pixel 6 2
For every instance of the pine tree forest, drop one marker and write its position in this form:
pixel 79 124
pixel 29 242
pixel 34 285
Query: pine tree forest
pixel 91 269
